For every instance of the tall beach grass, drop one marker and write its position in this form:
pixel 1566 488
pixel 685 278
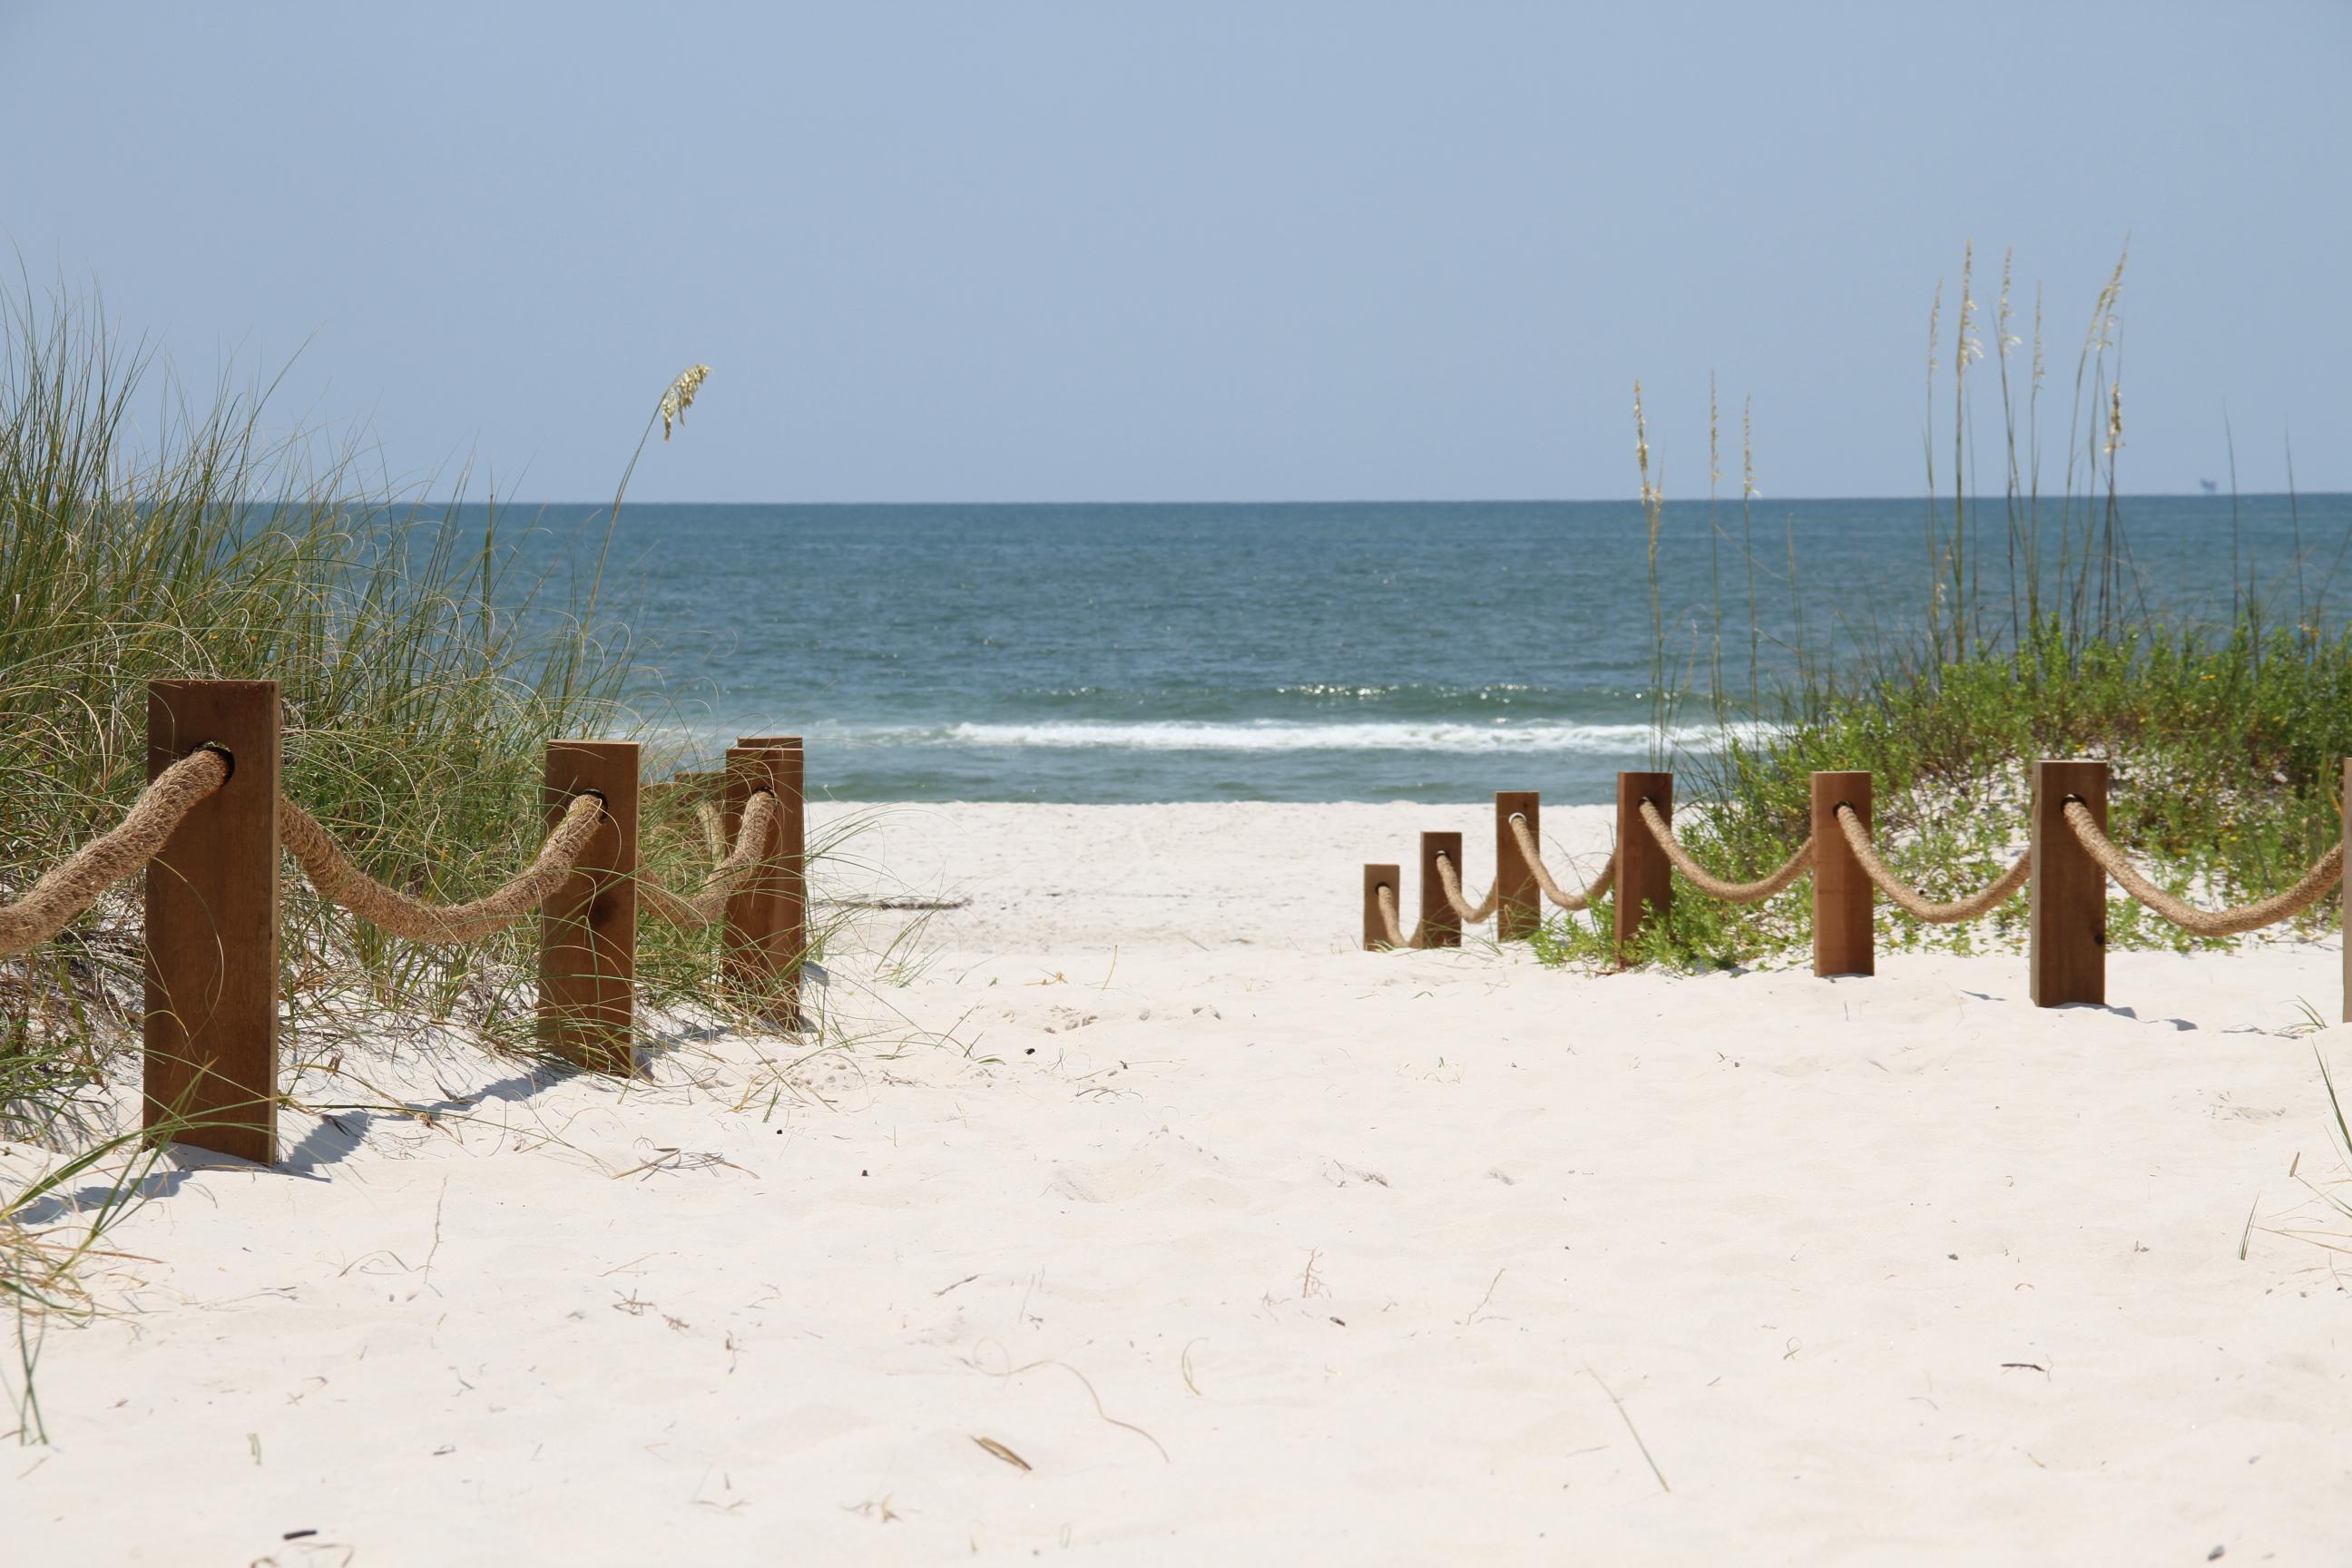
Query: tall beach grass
pixel 2036 633
pixel 152 531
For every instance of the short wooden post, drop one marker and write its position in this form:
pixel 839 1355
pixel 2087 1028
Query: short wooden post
pixel 2343 799
pixel 1440 926
pixel 211 1023
pixel 1376 930
pixel 748 964
pixel 588 929
pixel 1645 878
pixel 1518 913
pixel 1841 891
pixel 2068 947
pixel 784 881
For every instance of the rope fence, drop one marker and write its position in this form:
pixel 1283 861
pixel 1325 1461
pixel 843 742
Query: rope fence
pixel 2065 872
pixel 210 828
pixel 208 832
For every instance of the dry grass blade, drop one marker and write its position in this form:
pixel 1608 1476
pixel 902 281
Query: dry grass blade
pixel 1003 1452
pixel 1088 1384
pixel 1630 1427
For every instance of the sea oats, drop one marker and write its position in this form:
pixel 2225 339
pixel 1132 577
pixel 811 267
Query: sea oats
pixel 1747 449
pixel 681 396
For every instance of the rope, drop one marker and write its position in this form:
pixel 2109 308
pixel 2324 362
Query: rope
pixel 1910 898
pixel 714 829
pixel 699 910
pixel 1551 890
pixel 2323 875
pixel 1451 885
pixel 73 887
pixel 339 881
pixel 1387 900
pixel 1715 887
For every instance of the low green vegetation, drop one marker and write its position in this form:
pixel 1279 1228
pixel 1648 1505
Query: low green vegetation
pixel 2225 757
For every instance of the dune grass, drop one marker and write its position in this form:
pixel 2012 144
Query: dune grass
pixel 2035 636
pixel 147 532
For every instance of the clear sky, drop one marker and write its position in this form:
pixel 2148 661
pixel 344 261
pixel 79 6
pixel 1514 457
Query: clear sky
pixel 967 251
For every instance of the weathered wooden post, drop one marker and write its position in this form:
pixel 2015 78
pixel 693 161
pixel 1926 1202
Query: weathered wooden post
pixel 211 1018
pixel 749 962
pixel 784 880
pixel 1440 926
pixel 588 929
pixel 2068 947
pixel 1645 878
pixel 1376 930
pixel 1518 912
pixel 1841 891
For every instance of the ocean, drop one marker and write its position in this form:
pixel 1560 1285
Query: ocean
pixel 1341 651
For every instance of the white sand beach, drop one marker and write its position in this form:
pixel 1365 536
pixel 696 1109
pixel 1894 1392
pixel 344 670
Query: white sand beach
pixel 1234 1242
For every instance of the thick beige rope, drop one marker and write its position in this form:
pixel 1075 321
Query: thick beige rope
pixel 699 910
pixel 714 830
pixel 2324 874
pixel 1451 885
pixel 1386 897
pixel 74 886
pixel 1551 890
pixel 1910 898
pixel 340 883
pixel 1715 887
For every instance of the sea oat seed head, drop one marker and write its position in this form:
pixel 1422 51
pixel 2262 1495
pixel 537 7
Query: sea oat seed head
pixel 1714 440
pixel 1748 449
pixel 681 396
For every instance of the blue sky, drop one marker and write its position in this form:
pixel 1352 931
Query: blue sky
pixel 1197 251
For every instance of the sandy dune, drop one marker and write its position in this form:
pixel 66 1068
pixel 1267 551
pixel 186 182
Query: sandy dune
pixel 1255 1247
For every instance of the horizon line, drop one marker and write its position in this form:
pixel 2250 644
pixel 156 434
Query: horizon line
pixel 1985 499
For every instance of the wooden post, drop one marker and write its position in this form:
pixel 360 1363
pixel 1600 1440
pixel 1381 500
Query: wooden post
pixel 211 1021
pixel 2345 891
pixel 588 929
pixel 1841 892
pixel 1376 930
pixel 1440 926
pixel 2068 947
pixel 747 963
pixel 785 882
pixel 1518 912
pixel 1645 878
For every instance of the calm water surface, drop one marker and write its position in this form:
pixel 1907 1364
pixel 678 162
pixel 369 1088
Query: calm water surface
pixel 1433 651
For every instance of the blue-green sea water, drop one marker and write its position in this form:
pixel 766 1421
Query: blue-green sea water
pixel 1431 651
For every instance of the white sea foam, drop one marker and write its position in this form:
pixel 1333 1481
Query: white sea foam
pixel 1602 739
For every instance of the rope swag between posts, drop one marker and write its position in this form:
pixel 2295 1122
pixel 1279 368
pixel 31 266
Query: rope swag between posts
pixel 2065 871
pixel 210 826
